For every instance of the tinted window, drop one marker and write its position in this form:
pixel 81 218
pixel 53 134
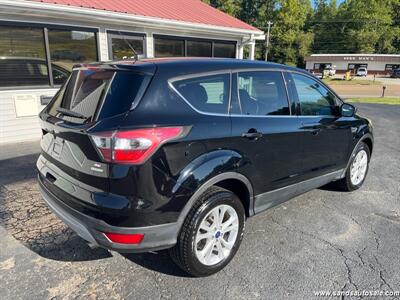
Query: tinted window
pixel 208 93
pixel 70 47
pixel 224 50
pixel 22 57
pixel 121 46
pixel 164 47
pixel 198 48
pixel 97 94
pixel 262 93
pixel 314 99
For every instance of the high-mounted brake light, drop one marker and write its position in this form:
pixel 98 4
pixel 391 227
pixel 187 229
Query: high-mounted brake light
pixel 134 146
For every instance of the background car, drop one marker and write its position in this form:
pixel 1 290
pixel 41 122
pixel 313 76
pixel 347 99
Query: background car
pixel 29 71
pixel 395 73
pixel 330 70
pixel 362 72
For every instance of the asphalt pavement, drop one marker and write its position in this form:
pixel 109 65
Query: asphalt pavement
pixel 324 240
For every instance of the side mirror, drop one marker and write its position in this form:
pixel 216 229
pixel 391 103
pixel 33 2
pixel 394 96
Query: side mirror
pixel 347 110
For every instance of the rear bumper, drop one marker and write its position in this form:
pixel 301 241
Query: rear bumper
pixel 155 237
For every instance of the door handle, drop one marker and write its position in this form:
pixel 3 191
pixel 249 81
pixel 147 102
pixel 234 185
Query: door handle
pixel 313 128
pixel 252 134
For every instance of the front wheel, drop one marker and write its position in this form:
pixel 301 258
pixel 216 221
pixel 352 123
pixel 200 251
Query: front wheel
pixel 211 233
pixel 357 169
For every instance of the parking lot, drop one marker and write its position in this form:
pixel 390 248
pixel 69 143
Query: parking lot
pixel 324 240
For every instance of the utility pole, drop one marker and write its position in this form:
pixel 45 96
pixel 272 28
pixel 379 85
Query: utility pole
pixel 269 23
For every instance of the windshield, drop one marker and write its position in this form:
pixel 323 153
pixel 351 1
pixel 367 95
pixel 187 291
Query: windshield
pixel 96 94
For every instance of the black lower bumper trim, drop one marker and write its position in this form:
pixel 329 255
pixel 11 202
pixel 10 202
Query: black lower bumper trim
pixel 156 237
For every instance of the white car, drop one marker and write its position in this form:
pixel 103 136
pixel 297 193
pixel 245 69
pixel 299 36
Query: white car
pixel 330 70
pixel 362 72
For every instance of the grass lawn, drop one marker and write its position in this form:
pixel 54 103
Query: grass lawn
pixel 379 100
pixel 339 81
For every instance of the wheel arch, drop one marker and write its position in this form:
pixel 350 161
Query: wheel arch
pixel 233 181
pixel 368 139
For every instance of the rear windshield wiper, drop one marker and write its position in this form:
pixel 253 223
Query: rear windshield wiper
pixel 70 113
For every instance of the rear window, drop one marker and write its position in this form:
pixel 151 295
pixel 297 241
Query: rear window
pixel 98 94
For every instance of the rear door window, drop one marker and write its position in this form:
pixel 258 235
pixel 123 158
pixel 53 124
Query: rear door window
pixel 98 94
pixel 208 94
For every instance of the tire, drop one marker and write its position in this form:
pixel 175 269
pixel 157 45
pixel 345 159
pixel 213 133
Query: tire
pixel 348 183
pixel 187 253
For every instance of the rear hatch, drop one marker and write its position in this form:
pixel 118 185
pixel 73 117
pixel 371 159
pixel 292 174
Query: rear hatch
pixel 95 98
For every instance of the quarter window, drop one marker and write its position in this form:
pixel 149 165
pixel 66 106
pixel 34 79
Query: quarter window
pixel 314 99
pixel 262 93
pixel 208 93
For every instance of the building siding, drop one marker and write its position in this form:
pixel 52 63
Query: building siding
pixel 14 128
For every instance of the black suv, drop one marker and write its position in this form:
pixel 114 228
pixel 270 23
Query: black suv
pixel 395 73
pixel 176 153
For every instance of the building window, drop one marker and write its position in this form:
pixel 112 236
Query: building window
pixel 165 46
pixel 222 49
pixel 28 52
pixel 22 57
pixel 321 66
pixel 356 66
pixel 169 47
pixel 121 45
pixel 70 47
pixel 390 67
pixel 199 48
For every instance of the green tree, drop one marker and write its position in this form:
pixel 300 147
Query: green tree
pixel 290 39
pixel 326 28
pixel 368 25
pixel 258 13
pixel 355 26
pixel 231 7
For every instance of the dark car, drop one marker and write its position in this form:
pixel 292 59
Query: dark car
pixel 177 153
pixel 67 55
pixel 395 73
pixel 17 71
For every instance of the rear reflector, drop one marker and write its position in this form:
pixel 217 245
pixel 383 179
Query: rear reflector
pixel 134 146
pixel 125 238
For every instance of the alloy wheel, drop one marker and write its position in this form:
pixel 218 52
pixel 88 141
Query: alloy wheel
pixel 216 235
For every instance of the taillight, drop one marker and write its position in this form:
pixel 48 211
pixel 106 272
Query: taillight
pixel 134 146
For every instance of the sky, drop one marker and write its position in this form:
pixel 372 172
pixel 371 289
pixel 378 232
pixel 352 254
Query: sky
pixel 337 1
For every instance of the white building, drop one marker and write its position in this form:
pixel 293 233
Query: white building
pixel 40 41
pixel 380 64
